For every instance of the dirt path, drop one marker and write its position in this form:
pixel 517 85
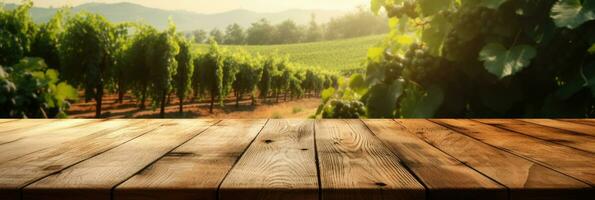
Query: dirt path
pixel 298 109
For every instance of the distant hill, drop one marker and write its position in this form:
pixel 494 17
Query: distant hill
pixel 185 20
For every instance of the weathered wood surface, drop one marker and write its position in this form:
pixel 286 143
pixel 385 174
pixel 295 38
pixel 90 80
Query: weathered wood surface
pixel 297 159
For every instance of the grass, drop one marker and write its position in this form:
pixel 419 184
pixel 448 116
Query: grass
pixel 338 55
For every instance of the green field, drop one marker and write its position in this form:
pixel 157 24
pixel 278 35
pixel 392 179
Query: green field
pixel 333 55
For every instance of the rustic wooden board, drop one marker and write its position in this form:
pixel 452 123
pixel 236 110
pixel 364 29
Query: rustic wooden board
pixel 11 126
pixel 564 137
pixel 444 176
pixel 7 120
pixel 354 164
pixel 572 162
pixel 196 169
pixel 525 179
pixel 19 143
pixel 17 173
pixel 590 122
pixel 94 178
pixel 576 127
pixel 279 164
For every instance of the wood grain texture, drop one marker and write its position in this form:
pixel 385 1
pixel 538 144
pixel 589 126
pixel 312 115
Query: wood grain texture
pixel 564 137
pixel 94 178
pixel 7 120
pixel 572 162
pixel 590 122
pixel 444 176
pixel 525 179
pixel 19 172
pixel 11 126
pixel 279 164
pixel 354 164
pixel 576 127
pixel 196 169
pixel 18 143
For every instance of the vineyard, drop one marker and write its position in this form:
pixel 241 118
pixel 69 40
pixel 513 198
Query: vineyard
pixel 45 65
pixel 338 55
pixel 442 58
pixel 475 58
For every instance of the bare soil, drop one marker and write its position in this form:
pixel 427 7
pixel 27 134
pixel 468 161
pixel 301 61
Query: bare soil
pixel 129 108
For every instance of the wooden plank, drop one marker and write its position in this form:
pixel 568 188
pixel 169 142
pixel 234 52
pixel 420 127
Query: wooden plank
pixel 444 176
pixel 572 162
pixel 16 174
pixel 41 137
pixel 525 179
pixel 279 164
pixel 354 164
pixel 7 120
pixel 95 177
pixel 590 122
pixel 563 137
pixel 196 169
pixel 576 127
pixel 14 125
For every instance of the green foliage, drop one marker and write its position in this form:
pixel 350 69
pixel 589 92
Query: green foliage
pixel 46 40
pixel 88 54
pixel 248 76
pixel 30 90
pixel 483 58
pixel 573 13
pixel 210 70
pixel 503 62
pixel 347 54
pixel 16 27
pixel 184 71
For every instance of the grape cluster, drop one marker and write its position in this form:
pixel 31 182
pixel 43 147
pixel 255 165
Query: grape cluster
pixel 419 64
pixel 406 9
pixel 344 109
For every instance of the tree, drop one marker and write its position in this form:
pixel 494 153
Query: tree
pixel 87 54
pixel 163 64
pixel 260 32
pixel 184 71
pixel 210 71
pixel 199 36
pixel 234 34
pixel 314 32
pixel 217 35
pixel 287 32
pixel 16 31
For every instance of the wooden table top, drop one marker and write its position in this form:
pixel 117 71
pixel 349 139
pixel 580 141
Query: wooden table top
pixel 297 159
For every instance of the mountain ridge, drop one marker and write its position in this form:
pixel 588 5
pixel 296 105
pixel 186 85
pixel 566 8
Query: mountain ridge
pixel 185 20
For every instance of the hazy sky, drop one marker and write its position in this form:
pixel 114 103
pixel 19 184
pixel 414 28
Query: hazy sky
pixel 211 6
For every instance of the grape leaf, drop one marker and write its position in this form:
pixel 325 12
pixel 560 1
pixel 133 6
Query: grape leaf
pixel 382 99
pixel 420 103
pixel 430 7
pixel 493 4
pixel 504 62
pixel 572 13
pixel 435 34
pixel 592 49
